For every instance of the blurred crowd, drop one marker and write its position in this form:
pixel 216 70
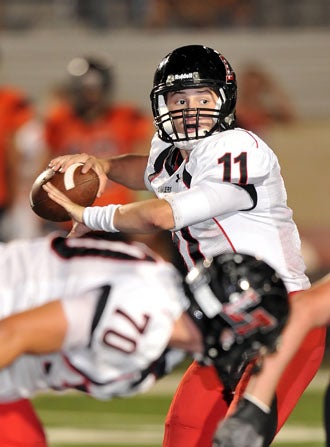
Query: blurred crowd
pixel 158 14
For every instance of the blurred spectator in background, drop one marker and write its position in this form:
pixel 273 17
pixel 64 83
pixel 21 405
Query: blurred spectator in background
pixel 198 13
pixel 94 13
pixel 18 125
pixel 262 102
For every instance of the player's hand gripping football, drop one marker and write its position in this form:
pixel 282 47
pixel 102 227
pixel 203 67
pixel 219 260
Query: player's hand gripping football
pixel 100 166
pixel 245 428
pixel 74 210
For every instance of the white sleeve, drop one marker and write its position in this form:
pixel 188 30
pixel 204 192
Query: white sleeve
pixel 100 218
pixel 147 181
pixel 205 201
pixel 79 312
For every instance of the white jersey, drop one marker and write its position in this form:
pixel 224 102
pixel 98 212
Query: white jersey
pixel 228 196
pixel 120 301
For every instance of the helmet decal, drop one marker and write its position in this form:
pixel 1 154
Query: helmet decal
pixel 230 75
pixel 177 77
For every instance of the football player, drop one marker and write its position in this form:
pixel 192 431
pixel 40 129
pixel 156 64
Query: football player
pixel 247 425
pixel 88 119
pixel 219 188
pixel 109 318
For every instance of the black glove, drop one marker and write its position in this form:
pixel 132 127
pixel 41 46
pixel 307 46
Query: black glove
pixel 247 427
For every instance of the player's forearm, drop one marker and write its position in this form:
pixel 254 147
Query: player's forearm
pixel 10 344
pixel 316 301
pixel 186 336
pixel 128 170
pixel 138 217
pixel 309 309
pixel 36 331
pixel 263 385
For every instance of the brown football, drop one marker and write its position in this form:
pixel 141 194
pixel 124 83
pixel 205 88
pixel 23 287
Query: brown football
pixel 80 188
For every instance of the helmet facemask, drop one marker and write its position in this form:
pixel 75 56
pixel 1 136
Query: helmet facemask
pixel 166 121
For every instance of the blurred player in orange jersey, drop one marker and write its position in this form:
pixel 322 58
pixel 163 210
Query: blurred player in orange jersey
pixel 87 120
pixel 22 153
pixel 15 111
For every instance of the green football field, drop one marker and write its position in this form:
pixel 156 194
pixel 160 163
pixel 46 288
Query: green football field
pixel 77 420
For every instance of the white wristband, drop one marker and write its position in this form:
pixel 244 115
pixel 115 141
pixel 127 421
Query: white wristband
pixel 100 218
pixel 265 408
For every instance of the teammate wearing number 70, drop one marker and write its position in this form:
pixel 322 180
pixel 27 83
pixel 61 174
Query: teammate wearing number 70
pixel 109 318
pixel 219 188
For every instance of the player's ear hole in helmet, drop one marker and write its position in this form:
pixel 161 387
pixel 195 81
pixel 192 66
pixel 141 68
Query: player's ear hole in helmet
pixel 241 305
pixel 187 67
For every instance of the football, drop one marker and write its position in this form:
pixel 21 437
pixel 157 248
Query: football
pixel 80 188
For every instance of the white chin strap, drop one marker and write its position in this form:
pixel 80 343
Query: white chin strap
pixel 186 145
pixel 189 145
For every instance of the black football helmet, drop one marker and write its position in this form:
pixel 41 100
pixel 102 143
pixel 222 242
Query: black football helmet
pixel 193 66
pixel 240 304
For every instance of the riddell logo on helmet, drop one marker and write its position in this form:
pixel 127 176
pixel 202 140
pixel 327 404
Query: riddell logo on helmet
pixel 183 76
pixel 179 77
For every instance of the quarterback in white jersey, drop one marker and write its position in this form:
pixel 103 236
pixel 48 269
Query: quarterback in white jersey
pixel 219 188
pixel 228 195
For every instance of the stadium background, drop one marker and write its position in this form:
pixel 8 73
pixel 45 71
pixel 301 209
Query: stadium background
pixel 289 39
